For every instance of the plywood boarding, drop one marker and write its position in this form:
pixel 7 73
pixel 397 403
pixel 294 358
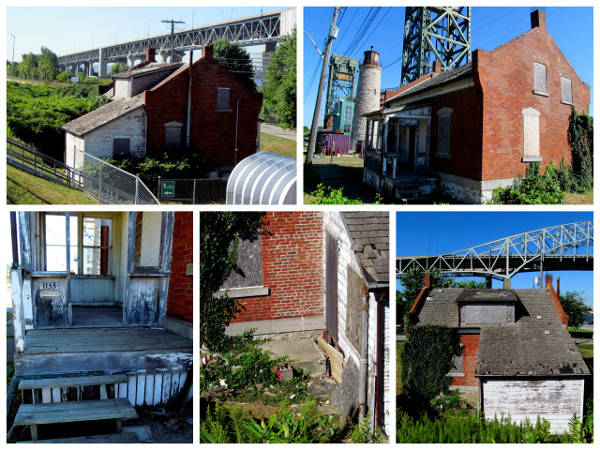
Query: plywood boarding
pixel 92 290
pixel 335 358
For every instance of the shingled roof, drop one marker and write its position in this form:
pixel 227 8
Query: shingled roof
pixel 369 232
pixel 103 115
pixel 449 76
pixel 537 344
pixel 146 69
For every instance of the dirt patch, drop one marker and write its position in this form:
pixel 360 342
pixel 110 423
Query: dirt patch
pixel 255 409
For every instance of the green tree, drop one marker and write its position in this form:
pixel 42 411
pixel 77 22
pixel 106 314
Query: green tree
pixel 412 283
pixel 118 68
pixel 235 59
pixel 219 236
pixel 63 77
pixel 47 64
pixel 573 304
pixel 280 87
pixel 28 66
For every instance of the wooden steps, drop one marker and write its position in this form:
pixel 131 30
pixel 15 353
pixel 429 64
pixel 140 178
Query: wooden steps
pixel 117 438
pixel 80 411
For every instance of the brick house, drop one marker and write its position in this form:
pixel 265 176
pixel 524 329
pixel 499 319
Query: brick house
pixel 157 106
pixel 324 274
pixel 476 127
pixel 518 358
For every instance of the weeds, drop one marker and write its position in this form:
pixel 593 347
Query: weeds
pixel 223 425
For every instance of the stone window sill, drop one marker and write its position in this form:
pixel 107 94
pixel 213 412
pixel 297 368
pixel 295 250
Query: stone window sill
pixel 531 158
pixel 541 93
pixel 255 291
pixel 567 103
pixel 457 375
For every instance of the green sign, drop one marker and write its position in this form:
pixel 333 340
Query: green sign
pixel 167 189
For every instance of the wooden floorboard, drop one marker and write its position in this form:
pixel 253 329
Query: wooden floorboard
pixel 71 340
pixel 45 413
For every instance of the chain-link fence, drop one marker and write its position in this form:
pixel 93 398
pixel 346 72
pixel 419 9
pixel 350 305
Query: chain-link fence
pixel 109 184
pixel 211 191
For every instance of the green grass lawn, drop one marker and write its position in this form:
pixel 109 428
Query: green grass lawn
pixel 579 199
pixel 276 144
pixel 25 189
pixel 586 350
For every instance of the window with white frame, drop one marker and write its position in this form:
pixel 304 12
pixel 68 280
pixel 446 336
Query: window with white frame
pixel 348 112
pixel 89 244
pixel 347 127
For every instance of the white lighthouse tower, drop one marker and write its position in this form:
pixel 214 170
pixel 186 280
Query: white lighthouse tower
pixel 367 95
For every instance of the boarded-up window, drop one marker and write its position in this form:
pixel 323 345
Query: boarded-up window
pixel 249 261
pixel 458 366
pixel 566 90
pixel 531 135
pixel 444 126
pixel 540 85
pixel 120 147
pixel 354 308
pixel 223 99
pixel 173 134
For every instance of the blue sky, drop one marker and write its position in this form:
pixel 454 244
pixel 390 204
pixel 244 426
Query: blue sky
pixel 571 28
pixel 68 29
pixel 432 233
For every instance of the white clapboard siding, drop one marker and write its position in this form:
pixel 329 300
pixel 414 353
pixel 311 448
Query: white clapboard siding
pixel 149 394
pixel 555 399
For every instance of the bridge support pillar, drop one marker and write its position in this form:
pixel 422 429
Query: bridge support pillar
pixel 90 68
pixel 488 282
pixel 131 60
pixel 102 64
pixel 506 283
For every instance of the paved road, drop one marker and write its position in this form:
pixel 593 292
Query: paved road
pixel 277 131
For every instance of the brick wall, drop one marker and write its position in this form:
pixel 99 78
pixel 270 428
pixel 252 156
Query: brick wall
pixel 212 132
pixel 465 134
pixel 471 343
pixel 292 255
pixel 181 286
pixel 506 78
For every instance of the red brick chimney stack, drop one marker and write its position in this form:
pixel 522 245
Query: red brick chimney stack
pixel 207 51
pixel 427 280
pixel 151 54
pixel 538 19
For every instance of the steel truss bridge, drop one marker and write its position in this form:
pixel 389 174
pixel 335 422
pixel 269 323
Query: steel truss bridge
pixel 265 29
pixel 561 247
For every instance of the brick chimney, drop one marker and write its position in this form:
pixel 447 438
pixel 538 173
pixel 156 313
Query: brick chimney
pixel 427 280
pixel 207 51
pixel 437 67
pixel 538 19
pixel 151 54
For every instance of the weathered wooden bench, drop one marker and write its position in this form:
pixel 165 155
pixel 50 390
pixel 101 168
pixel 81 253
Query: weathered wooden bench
pixel 80 411
pixel 51 387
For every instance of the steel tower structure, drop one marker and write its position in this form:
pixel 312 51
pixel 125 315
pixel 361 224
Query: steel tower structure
pixel 340 85
pixel 435 33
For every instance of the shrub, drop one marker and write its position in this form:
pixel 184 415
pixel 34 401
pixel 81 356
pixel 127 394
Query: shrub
pixel 427 358
pixel 534 189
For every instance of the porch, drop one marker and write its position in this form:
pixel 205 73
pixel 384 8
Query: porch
pixel 145 350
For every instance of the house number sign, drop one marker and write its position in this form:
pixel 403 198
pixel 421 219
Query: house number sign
pixel 49 285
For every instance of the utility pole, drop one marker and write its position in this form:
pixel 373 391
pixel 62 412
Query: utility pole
pixel 12 63
pixel 172 22
pixel 333 31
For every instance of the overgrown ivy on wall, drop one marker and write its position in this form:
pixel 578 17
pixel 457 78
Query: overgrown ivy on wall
pixel 427 358
pixel 219 235
pixel 581 135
